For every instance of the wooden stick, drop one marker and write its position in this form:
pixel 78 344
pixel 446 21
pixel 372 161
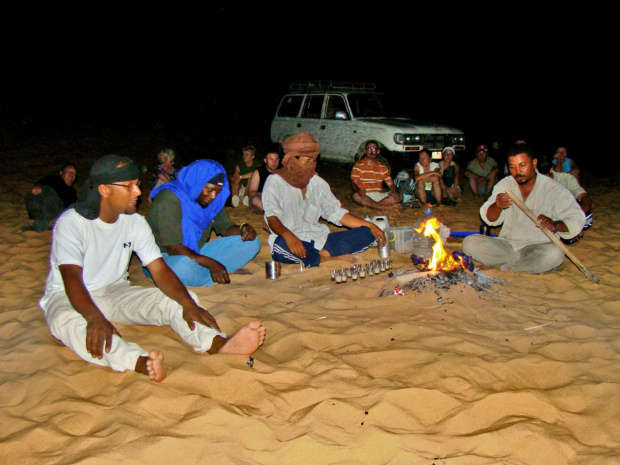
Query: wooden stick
pixel 553 238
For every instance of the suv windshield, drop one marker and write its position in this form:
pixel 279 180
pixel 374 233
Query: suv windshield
pixel 365 105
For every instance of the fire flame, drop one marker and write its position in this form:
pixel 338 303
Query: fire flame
pixel 441 260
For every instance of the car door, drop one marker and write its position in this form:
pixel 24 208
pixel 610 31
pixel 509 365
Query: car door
pixel 336 130
pixel 310 117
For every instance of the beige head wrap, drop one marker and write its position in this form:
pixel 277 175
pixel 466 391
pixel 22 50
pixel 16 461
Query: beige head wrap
pixel 293 172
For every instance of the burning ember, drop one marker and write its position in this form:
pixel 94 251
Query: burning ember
pixel 441 260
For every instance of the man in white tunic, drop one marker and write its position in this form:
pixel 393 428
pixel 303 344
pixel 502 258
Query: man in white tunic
pixel 522 245
pixel 88 288
pixel 295 198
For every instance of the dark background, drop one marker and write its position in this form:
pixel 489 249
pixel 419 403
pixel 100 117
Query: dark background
pixel 210 78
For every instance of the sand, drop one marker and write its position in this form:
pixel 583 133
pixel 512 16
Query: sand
pixel 528 373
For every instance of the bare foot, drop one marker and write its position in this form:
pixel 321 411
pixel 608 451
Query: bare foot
pixel 326 257
pixel 152 366
pixel 246 341
pixel 242 271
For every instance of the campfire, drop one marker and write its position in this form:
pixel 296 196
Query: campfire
pixel 442 270
pixel 440 260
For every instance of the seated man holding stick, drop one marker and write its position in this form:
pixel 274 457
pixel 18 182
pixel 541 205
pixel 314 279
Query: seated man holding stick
pixel 87 288
pixel 522 245
pixel 295 198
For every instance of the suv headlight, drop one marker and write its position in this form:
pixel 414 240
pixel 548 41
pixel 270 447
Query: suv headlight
pixel 408 139
pixel 458 139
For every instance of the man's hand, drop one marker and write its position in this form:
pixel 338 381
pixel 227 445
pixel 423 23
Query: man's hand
pixel 378 233
pixel 503 201
pixel 198 314
pixel 247 232
pixel 36 190
pixel 294 244
pixel 547 223
pixel 219 273
pixel 99 333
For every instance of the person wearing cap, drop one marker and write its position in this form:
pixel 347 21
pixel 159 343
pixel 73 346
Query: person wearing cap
pixel 522 246
pixel 184 214
pixel 450 177
pixel 367 178
pixel 295 197
pixel 481 172
pixel 87 288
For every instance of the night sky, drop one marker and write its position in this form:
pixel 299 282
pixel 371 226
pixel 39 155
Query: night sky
pixel 509 73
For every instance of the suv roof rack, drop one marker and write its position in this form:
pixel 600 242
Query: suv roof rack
pixel 323 85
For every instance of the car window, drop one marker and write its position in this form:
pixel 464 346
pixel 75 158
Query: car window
pixel 334 103
pixel 313 106
pixel 290 106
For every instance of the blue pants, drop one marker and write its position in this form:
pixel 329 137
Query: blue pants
pixel 354 240
pixel 230 251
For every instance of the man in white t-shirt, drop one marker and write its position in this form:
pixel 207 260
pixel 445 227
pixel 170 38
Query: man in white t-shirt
pixel 87 287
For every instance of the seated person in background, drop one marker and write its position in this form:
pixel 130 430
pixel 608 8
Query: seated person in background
pixel 258 178
pixel 580 194
pixel 183 214
pixel 561 164
pixel 87 287
pixel 522 246
pixel 450 178
pixel 49 197
pixel 427 178
pixel 481 172
pixel 241 175
pixel 295 198
pixel 367 178
pixel 165 171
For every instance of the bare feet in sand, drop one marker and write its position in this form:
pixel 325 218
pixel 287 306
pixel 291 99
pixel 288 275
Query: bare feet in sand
pixel 152 366
pixel 246 341
pixel 326 257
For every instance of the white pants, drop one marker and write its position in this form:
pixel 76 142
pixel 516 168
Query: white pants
pixel 128 305
pixel 496 252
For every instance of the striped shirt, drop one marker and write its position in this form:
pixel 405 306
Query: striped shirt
pixel 370 177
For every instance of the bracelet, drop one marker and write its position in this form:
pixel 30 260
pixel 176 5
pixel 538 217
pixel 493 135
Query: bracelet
pixel 241 226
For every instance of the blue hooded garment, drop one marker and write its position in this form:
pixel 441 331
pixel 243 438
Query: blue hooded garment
pixel 187 187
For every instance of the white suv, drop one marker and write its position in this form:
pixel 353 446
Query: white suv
pixel 344 116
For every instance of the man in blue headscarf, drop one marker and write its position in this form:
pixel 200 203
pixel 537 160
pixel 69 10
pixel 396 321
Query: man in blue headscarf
pixel 182 217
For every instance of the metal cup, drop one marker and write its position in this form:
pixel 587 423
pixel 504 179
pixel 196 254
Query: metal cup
pixel 272 270
pixel 484 229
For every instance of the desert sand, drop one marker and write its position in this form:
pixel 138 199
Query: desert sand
pixel 528 373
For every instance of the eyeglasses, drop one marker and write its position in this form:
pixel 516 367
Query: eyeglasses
pixel 372 150
pixel 129 186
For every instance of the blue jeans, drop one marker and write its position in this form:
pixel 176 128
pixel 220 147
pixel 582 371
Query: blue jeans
pixel 230 251
pixel 354 240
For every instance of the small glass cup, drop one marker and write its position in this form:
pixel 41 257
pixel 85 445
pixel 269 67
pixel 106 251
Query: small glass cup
pixel 354 273
pixel 370 269
pixel 343 276
pixel 348 272
pixel 377 269
pixel 362 271
pixel 333 275
pixel 337 277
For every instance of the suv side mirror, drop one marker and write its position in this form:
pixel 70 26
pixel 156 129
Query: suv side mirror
pixel 341 115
